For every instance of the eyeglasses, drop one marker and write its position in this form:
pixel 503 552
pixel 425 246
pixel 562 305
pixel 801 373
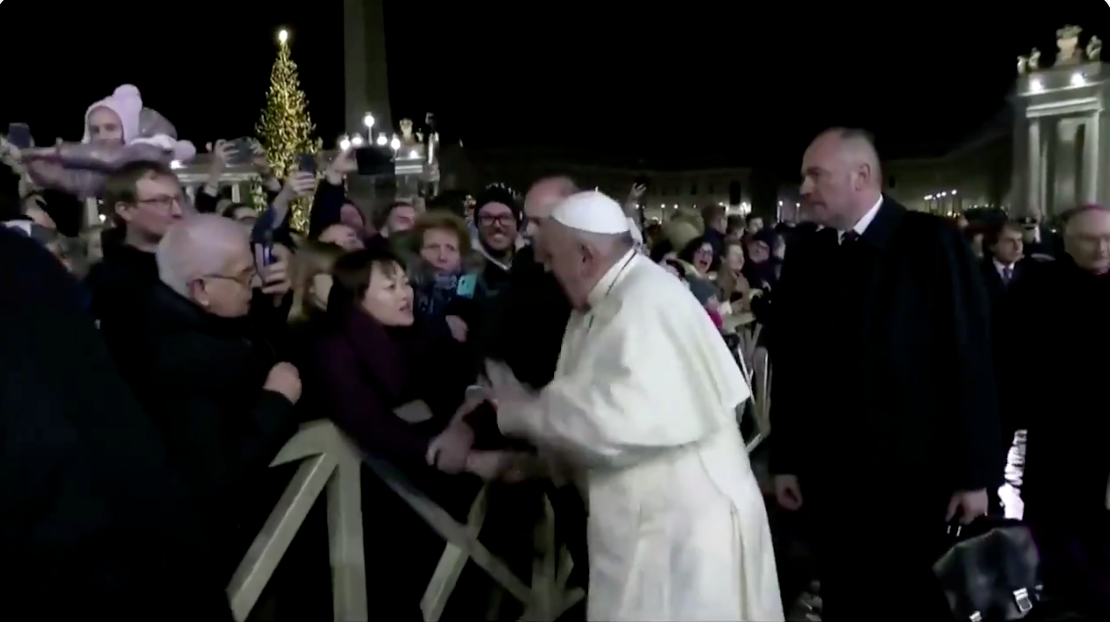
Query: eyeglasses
pixel 245 278
pixel 163 201
pixel 505 220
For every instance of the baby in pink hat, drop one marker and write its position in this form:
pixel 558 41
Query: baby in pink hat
pixel 118 131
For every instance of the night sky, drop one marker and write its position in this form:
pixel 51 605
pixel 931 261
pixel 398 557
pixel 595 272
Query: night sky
pixel 686 84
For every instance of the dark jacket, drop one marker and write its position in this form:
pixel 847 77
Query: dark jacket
pixel 527 322
pixel 202 383
pixel 94 522
pixel 368 370
pixel 119 289
pixel 1052 385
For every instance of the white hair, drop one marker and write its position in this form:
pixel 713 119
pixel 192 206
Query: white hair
pixel 197 246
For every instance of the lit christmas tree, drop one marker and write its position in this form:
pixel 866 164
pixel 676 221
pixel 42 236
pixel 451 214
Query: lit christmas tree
pixel 285 129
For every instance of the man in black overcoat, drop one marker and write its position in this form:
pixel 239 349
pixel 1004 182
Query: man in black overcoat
pixel 94 523
pixel 885 418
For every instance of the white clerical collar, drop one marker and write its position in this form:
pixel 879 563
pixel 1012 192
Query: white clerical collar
pixel 605 285
pixel 863 223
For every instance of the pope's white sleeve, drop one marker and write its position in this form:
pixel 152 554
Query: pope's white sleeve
pixel 629 403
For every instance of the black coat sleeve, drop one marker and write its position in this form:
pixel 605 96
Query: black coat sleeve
pixel 974 410
pixel 788 415
pixel 93 520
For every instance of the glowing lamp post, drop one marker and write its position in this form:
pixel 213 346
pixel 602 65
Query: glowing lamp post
pixel 283 36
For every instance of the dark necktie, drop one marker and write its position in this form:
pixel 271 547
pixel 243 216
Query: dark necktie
pixel 1007 274
pixel 848 237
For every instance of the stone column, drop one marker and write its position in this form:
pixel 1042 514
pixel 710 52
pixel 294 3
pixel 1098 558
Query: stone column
pixel 1035 181
pixel 366 81
pixel 1091 164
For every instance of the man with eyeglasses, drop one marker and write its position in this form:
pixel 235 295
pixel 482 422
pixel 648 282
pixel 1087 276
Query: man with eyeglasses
pixel 497 214
pixel 144 199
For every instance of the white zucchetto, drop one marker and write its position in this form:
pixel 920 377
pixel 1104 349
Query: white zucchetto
pixel 592 212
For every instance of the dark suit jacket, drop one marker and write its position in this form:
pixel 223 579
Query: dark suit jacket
pixel 992 280
pixel 883 378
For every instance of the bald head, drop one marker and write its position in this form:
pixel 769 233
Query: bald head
pixel 541 199
pixel 203 245
pixel 841 177
pixel 1087 238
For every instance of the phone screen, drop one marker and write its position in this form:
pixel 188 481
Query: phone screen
pixel 307 163
pixel 264 254
pixel 19 135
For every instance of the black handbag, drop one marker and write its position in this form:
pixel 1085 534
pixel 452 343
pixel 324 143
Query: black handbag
pixel 992 571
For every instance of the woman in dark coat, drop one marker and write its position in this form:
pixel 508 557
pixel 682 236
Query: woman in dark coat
pixel 394 387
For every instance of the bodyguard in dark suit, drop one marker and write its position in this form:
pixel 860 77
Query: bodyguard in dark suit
pixel 1002 265
pixel 885 412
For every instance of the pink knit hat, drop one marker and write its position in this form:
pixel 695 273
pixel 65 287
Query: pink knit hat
pixel 126 103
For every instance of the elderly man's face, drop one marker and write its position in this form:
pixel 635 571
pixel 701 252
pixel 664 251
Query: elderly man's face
pixel 228 293
pixel 1087 240
pixel 541 200
pixel 828 182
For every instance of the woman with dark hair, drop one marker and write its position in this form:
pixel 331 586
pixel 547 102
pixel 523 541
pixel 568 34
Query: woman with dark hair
pixel 394 388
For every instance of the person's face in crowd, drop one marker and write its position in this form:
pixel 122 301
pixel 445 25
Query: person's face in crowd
pixel 577 266
pixel 831 182
pixel 977 245
pixel 388 298
pixel 734 258
pixel 1008 249
pixel 350 215
pixel 1087 240
pixel 497 226
pixel 962 223
pixel 1031 234
pixel 755 225
pixel 538 205
pixel 401 218
pixel 105 126
pixel 720 224
pixel 342 236
pixel 703 258
pixel 228 292
pixel 758 251
pixel 440 248
pixel 159 203
pixel 245 215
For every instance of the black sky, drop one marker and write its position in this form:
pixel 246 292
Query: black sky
pixel 692 83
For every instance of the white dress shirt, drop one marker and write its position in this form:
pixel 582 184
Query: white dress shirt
pixel 863 223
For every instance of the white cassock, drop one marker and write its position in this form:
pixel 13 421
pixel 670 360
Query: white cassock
pixel 643 405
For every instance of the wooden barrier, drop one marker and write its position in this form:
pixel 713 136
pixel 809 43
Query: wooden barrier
pixel 332 463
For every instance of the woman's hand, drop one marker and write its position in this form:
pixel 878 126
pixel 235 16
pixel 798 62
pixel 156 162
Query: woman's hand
pixel 458 328
pixel 450 451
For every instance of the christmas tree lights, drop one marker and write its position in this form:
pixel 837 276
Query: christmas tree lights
pixel 286 129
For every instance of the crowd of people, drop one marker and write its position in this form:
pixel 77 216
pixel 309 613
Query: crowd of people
pixel 155 364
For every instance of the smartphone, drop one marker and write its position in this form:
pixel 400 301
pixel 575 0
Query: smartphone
pixel 19 135
pixel 374 160
pixel 262 237
pixel 307 163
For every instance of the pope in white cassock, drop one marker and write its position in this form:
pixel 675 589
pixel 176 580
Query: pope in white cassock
pixel 643 408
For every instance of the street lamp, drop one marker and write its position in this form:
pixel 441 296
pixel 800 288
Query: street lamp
pixel 283 36
pixel 368 121
pixel 344 143
pixel 356 141
pixel 395 144
pixel 382 140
